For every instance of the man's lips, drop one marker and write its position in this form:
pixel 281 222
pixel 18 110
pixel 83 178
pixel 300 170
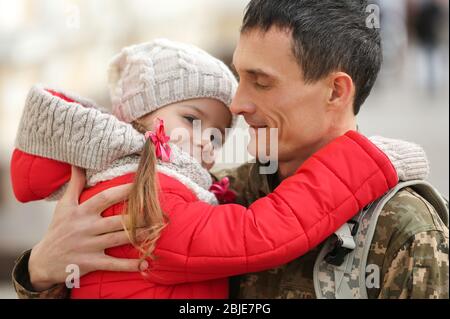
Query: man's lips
pixel 256 126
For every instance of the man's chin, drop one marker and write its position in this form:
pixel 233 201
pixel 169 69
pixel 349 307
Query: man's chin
pixel 253 150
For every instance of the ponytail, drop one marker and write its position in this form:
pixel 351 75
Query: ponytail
pixel 143 209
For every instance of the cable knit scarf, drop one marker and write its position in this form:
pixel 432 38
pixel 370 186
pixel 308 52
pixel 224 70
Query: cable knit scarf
pixel 182 167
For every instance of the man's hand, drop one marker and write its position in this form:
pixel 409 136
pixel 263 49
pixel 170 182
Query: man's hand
pixel 78 234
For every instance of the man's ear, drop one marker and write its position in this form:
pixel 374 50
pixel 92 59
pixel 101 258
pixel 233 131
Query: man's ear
pixel 342 90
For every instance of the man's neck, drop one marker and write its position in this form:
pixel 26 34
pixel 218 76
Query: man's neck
pixel 288 168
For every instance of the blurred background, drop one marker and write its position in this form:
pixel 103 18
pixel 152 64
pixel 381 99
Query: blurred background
pixel 68 43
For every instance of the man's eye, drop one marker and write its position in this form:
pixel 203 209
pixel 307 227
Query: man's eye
pixel 261 86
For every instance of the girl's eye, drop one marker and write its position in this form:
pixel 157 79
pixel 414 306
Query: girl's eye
pixel 189 118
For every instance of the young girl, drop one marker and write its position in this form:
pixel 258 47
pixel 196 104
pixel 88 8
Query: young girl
pixel 191 244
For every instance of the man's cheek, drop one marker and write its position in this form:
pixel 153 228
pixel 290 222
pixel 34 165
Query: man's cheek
pixel 263 144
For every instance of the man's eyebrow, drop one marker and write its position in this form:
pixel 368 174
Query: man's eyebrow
pixel 255 72
pixel 259 72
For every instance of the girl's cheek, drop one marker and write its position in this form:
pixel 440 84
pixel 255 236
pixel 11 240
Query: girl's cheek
pixel 185 145
pixel 181 134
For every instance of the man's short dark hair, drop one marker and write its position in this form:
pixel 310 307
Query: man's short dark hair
pixel 328 35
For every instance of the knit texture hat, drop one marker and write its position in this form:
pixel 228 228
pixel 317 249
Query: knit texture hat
pixel 148 76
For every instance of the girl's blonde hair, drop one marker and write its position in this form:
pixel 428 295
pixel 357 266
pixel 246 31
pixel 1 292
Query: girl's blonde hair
pixel 143 209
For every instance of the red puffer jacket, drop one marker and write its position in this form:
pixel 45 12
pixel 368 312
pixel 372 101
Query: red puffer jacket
pixel 203 244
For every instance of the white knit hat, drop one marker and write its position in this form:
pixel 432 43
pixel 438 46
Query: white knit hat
pixel 148 76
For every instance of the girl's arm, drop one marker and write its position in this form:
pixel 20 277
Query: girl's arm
pixel 34 177
pixel 203 242
pixel 59 129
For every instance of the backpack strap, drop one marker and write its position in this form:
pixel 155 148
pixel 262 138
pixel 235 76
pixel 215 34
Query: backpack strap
pixel 345 277
pixel 430 194
pixel 345 236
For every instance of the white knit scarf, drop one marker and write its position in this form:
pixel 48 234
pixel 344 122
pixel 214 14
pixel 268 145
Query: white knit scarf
pixel 182 167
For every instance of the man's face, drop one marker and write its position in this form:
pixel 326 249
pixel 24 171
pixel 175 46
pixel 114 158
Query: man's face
pixel 273 94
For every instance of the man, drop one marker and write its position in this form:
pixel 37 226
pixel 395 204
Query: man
pixel 305 67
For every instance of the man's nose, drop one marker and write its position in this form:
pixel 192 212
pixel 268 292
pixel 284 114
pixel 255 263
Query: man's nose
pixel 241 106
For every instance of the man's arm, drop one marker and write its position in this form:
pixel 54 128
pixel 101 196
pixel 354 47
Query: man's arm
pixel 22 283
pixel 420 269
pixel 410 247
pixel 78 234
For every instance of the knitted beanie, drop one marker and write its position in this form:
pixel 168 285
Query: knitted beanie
pixel 148 76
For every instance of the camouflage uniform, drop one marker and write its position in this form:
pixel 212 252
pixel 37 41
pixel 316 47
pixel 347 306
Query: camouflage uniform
pixel 410 247
pixel 22 285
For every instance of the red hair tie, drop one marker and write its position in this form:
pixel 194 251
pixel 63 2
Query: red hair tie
pixel 160 141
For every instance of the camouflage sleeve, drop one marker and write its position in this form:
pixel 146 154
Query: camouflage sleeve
pixel 23 287
pixel 420 269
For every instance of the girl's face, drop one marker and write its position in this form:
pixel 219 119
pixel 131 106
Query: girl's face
pixel 214 117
